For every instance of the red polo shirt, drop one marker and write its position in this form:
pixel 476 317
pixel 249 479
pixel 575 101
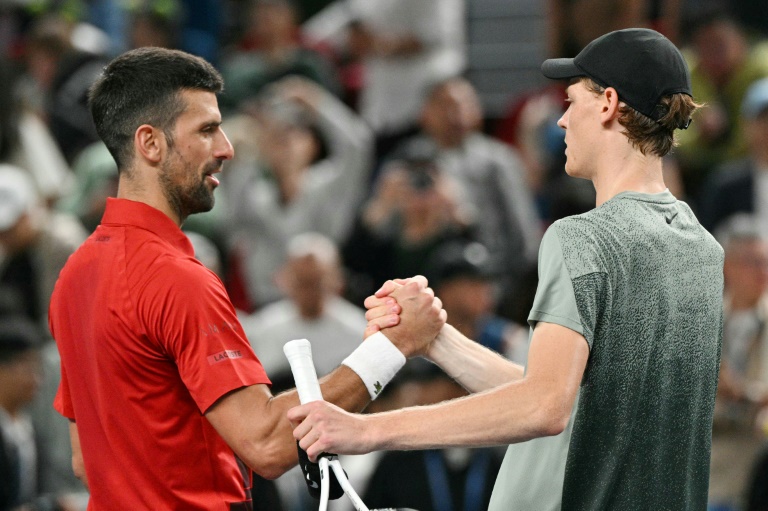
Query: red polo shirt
pixel 149 341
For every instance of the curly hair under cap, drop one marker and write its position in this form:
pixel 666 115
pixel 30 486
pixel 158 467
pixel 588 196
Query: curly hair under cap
pixel 645 134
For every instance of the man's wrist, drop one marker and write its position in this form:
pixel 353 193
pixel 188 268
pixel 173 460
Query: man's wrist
pixel 376 361
pixel 438 347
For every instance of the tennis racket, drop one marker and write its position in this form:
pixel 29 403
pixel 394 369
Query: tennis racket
pixel 299 354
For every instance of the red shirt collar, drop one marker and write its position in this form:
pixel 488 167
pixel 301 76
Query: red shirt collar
pixel 144 216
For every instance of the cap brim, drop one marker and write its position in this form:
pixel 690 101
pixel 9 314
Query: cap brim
pixel 560 69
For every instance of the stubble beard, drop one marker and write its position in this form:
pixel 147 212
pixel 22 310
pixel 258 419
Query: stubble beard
pixel 186 192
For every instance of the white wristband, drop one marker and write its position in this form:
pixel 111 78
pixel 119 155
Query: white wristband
pixel 376 361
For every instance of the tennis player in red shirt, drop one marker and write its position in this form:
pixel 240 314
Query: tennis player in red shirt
pixel 169 406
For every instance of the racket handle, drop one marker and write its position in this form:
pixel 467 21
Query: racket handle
pixel 299 354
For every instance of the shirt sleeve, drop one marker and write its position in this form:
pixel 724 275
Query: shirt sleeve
pixel 189 316
pixel 555 301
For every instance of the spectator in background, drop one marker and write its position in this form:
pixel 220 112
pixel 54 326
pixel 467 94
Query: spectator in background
pixel 270 50
pixel 153 23
pixel 24 462
pixel 71 61
pixel 95 173
pixel 414 209
pixel 202 31
pixel 723 64
pixel 530 126
pixel 19 382
pixel 466 280
pixel 491 175
pixel 52 435
pixel 741 185
pixel 435 479
pixel 743 387
pixel 206 252
pixel 462 275
pixel 574 23
pixel 26 141
pixel 404 46
pixel 34 244
pixel 753 16
pixel 290 188
pixel 312 281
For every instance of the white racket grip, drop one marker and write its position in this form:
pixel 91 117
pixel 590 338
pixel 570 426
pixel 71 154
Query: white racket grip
pixel 299 354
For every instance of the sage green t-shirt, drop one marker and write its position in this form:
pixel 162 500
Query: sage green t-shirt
pixel 641 280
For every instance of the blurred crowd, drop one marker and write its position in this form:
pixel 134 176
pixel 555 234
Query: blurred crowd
pixel 363 153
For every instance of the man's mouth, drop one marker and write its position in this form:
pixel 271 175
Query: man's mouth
pixel 209 174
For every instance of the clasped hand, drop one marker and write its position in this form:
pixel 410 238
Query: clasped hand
pixel 411 316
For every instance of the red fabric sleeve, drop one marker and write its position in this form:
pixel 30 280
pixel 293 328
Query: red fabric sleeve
pixel 187 312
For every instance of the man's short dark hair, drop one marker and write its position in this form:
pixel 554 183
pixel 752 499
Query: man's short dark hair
pixel 143 86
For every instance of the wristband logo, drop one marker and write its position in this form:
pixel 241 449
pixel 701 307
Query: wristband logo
pixel 224 355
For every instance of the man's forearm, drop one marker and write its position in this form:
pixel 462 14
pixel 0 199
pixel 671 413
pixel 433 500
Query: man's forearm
pixel 540 404
pixel 500 416
pixel 472 365
pixel 344 388
pixel 254 424
pixel 515 412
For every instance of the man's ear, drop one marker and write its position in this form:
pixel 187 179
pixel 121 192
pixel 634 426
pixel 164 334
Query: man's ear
pixel 610 105
pixel 150 143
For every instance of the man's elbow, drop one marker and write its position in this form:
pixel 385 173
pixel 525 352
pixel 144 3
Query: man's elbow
pixel 268 459
pixel 271 470
pixel 552 418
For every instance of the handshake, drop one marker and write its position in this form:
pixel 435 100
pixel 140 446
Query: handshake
pixel 409 313
pixel 412 317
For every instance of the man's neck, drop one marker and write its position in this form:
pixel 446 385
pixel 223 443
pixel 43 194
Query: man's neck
pixel 130 190
pixel 628 172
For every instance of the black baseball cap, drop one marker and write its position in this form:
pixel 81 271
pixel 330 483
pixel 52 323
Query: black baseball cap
pixel 641 64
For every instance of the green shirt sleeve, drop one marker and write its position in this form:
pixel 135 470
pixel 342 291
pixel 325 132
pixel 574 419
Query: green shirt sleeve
pixel 555 301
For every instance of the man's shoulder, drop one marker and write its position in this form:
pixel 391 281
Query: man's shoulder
pixel 151 262
pixel 585 225
pixel 579 240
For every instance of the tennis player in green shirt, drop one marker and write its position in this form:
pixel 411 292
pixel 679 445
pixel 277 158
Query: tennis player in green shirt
pixel 613 409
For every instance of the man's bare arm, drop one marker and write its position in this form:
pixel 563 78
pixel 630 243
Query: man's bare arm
pixel 253 422
pixel 539 404
pixel 471 364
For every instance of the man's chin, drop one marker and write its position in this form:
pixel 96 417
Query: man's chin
pixel 575 172
pixel 205 208
pixel 202 206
